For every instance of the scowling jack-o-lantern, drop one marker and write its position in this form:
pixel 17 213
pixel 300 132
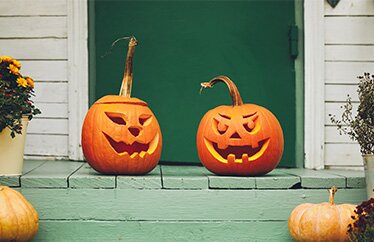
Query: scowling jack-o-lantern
pixel 242 139
pixel 120 134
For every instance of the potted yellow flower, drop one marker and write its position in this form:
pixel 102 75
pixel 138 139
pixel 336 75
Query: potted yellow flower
pixel 16 109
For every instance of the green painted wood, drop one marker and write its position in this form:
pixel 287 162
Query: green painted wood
pixel 184 177
pixel 188 205
pixel 277 179
pixel 162 231
pixel 354 179
pixel 52 174
pixel 317 179
pixel 183 43
pixel 87 177
pixel 14 181
pixel 150 181
pixel 231 182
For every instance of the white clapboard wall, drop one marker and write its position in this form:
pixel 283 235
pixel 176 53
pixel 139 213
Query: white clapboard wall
pixel 35 32
pixel 349 52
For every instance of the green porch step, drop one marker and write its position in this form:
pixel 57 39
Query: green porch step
pixel 173 203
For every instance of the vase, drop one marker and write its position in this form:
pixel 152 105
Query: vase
pixel 12 151
pixel 369 174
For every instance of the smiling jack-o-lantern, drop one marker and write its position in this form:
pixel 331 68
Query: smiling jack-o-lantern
pixel 242 139
pixel 120 134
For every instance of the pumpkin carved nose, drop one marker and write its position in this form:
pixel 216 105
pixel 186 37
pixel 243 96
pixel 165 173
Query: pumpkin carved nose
pixel 235 136
pixel 134 131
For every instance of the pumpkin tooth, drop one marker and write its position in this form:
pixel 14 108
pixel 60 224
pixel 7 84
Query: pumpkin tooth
pixel 245 157
pixel 254 146
pixel 134 154
pixel 222 145
pixel 231 158
pixel 142 154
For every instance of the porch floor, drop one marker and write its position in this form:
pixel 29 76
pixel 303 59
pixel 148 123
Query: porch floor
pixel 173 203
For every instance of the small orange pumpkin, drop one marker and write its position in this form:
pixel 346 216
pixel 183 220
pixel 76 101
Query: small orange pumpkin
pixel 120 134
pixel 321 222
pixel 18 219
pixel 242 139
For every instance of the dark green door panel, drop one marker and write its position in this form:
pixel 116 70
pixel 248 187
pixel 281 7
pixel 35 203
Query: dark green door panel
pixel 183 43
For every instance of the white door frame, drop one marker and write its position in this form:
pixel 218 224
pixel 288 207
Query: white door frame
pixel 314 79
pixel 314 75
pixel 77 18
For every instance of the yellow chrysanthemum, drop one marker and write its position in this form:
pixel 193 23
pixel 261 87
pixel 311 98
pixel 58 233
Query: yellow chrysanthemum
pixel 13 69
pixel 22 82
pixel 17 63
pixel 6 59
pixel 30 82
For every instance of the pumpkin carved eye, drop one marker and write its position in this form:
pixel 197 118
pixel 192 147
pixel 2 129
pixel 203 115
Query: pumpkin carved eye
pixel 117 118
pixel 251 124
pixel 145 119
pixel 220 127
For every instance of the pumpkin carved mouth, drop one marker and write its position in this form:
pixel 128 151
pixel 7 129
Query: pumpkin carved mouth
pixel 134 149
pixel 238 154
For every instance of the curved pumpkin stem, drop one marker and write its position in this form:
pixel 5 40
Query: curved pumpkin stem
pixel 127 76
pixel 234 92
pixel 332 192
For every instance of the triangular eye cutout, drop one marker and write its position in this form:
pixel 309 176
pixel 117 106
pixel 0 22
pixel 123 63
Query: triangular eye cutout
pixel 118 118
pixel 145 119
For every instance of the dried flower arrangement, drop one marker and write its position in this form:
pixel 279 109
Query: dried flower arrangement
pixel 361 127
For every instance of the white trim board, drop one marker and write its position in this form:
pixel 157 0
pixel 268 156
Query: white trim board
pixel 77 74
pixel 314 70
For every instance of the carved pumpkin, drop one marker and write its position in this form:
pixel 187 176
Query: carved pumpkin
pixel 18 219
pixel 120 134
pixel 321 222
pixel 242 139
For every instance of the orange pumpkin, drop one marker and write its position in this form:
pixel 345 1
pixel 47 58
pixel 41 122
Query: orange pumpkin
pixel 120 134
pixel 242 139
pixel 321 222
pixel 18 219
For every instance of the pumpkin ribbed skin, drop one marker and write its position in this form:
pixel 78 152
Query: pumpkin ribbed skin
pixel 110 147
pixel 320 222
pixel 268 129
pixel 18 219
pixel 241 140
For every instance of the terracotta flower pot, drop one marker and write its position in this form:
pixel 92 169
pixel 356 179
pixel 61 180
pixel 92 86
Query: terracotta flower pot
pixel 12 150
pixel 369 174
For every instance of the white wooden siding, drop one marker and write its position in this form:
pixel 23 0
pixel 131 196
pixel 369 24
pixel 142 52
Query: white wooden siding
pixel 35 32
pixel 349 52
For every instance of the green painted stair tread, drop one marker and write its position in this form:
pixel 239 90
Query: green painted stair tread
pixel 184 177
pixel 87 177
pixel 354 179
pixel 151 180
pixel 187 205
pixel 277 179
pixel 55 174
pixel 14 181
pixel 51 174
pixel 231 182
pixel 163 231
pixel 317 179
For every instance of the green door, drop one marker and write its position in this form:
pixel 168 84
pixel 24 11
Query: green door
pixel 184 43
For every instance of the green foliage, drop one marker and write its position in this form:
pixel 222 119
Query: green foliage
pixel 360 127
pixel 363 227
pixel 15 96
